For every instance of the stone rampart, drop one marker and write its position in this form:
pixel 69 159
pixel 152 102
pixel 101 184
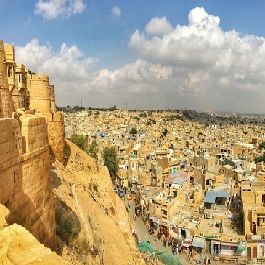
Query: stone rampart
pixel 25 186
pixel 10 140
pixel 56 133
pixel 40 93
pixel 34 132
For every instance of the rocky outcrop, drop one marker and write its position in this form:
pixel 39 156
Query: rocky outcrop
pixel 19 247
pixel 84 189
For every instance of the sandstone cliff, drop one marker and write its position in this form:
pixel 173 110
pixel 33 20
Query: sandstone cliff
pixel 99 226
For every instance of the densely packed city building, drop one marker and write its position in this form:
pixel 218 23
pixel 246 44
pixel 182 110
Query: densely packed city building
pixel 199 183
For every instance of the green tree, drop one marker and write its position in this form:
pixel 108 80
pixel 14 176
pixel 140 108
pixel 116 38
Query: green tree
pixel 80 141
pixel 260 159
pixel 133 131
pixel 111 160
pixel 113 108
pixel 149 123
pixel 143 115
pixel 93 150
pixel 164 132
pixel 262 146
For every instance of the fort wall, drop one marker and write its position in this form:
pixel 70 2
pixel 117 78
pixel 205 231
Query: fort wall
pixel 42 100
pixel 56 134
pixel 40 94
pixel 25 187
pixel 27 141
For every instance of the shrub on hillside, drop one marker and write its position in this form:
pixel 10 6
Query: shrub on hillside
pixel 80 141
pixel 111 160
pixel 65 227
pixel 93 150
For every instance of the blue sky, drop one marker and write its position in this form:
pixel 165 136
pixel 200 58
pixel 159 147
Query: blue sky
pixel 113 59
pixel 99 34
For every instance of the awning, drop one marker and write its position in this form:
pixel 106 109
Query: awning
pixel 229 244
pixel 241 246
pixel 198 242
pixel 154 219
pixel 211 195
pixel 163 223
pixel 209 198
pixel 210 237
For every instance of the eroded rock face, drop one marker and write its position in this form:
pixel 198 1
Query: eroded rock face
pixel 3 215
pixel 19 247
pixel 86 191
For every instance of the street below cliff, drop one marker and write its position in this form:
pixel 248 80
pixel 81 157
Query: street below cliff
pixel 142 233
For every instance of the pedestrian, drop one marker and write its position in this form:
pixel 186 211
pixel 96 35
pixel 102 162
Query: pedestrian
pixel 177 249
pixel 169 242
pixel 134 217
pixel 150 231
pixel 164 242
pixel 181 249
pixel 189 255
pixel 173 249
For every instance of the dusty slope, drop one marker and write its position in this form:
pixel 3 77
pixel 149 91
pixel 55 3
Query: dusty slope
pixel 99 221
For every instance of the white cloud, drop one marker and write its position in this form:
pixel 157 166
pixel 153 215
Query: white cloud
pixel 209 68
pixel 158 26
pixel 199 16
pixel 68 69
pixel 51 9
pixel 133 76
pixel 116 11
pixel 198 65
